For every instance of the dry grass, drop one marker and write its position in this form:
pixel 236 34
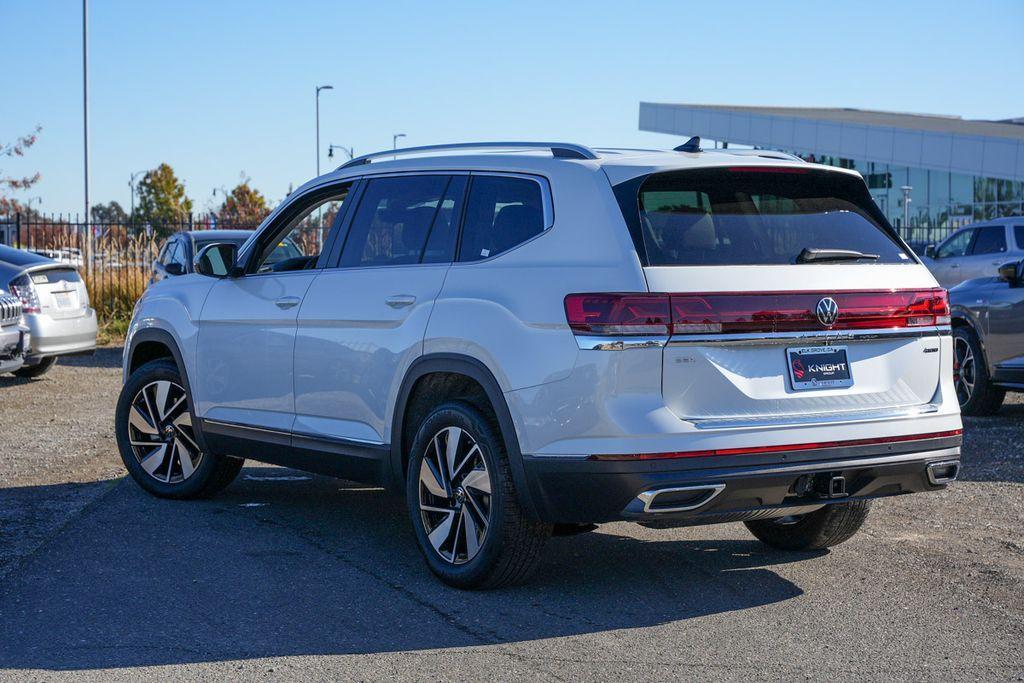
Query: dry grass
pixel 120 273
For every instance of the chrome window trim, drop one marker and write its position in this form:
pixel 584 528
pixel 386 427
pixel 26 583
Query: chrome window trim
pixel 823 336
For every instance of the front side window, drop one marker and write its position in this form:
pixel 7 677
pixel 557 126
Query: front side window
pixel 759 215
pixel 393 221
pixel 991 240
pixel 956 245
pixel 300 234
pixel 1018 235
pixel 502 212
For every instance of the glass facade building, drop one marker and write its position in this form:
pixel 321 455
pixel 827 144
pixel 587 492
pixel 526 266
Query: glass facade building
pixel 958 171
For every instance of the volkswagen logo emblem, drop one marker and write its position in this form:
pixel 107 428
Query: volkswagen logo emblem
pixel 827 311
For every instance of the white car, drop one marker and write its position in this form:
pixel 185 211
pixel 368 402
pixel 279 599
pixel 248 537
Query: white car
pixel 55 308
pixel 532 338
pixel 976 250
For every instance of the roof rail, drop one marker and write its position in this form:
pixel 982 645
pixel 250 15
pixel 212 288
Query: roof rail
pixel 559 150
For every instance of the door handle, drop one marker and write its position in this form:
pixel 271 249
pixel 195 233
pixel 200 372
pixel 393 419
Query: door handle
pixel 400 300
pixel 287 302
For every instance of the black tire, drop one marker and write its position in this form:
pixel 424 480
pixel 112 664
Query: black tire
pixel 37 370
pixel 980 396
pixel 512 543
pixel 212 473
pixel 824 528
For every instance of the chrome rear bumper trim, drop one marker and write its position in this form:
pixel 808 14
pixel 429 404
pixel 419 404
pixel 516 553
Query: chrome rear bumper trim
pixel 812 418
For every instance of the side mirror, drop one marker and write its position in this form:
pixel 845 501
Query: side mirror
pixel 217 260
pixel 174 269
pixel 1011 272
pixel 929 251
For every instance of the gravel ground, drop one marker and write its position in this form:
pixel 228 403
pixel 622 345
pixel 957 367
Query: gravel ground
pixel 286 575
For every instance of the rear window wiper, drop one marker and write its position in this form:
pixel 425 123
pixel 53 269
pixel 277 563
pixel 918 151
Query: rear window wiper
pixel 824 255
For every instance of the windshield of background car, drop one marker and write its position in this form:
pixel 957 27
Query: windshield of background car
pixel 759 215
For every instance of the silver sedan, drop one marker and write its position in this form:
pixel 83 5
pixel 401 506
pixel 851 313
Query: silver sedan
pixel 55 308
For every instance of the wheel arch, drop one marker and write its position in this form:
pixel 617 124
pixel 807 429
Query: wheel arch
pixel 964 320
pixel 153 343
pixel 475 370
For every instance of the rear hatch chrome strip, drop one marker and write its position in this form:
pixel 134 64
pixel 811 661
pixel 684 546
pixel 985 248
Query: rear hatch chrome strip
pixel 815 336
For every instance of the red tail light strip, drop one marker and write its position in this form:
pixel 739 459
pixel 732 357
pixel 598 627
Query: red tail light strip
pixel 745 312
pixel 779 449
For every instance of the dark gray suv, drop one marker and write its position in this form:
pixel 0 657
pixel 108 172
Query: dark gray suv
pixel 988 339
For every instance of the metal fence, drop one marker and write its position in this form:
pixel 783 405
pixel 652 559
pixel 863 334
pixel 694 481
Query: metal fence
pixel 116 263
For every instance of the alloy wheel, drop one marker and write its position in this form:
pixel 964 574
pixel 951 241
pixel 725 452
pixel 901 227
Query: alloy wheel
pixel 964 370
pixel 454 495
pixel 160 432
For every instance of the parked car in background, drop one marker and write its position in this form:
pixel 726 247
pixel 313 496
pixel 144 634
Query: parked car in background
pixel 54 306
pixel 178 252
pixel 988 339
pixel 976 250
pixel 14 338
pixel 533 338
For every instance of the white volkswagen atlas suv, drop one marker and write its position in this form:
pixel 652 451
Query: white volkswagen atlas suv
pixel 534 338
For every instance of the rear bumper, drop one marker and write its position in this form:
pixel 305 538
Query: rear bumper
pixel 712 489
pixel 57 337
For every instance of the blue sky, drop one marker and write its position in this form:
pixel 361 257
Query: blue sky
pixel 218 88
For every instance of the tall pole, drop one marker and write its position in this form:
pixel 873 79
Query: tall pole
pixel 85 128
pixel 394 141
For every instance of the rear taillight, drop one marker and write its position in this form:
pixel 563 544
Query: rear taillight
pixel 22 288
pixel 737 313
pixel 618 314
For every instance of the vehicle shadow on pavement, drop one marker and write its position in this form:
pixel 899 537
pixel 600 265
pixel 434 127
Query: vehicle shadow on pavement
pixel 283 563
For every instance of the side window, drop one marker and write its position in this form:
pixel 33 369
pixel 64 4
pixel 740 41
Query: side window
pixel 179 254
pixel 502 212
pixel 394 217
pixel 167 253
pixel 991 240
pixel 956 245
pixel 443 234
pixel 300 236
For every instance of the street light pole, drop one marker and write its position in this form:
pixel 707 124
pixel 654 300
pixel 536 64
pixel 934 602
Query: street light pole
pixel 350 151
pixel 394 142
pixel 318 89
pixel 131 184
pixel 85 129
pixel 906 206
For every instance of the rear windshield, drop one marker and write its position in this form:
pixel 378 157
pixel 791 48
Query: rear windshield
pixel 754 216
pixel 51 275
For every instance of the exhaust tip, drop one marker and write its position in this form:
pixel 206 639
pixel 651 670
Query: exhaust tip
pixel 679 498
pixel 944 472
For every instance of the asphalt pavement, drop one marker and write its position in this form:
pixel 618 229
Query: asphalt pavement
pixel 287 575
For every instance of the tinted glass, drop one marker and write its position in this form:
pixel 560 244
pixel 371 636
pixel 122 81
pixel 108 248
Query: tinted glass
pixel 1018 235
pixel 391 225
pixel 743 216
pixel 441 243
pixel 501 213
pixel 40 277
pixel 956 245
pixel 991 240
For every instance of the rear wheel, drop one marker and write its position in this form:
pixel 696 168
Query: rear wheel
pixel 37 370
pixel 974 389
pixel 464 505
pixel 824 528
pixel 158 442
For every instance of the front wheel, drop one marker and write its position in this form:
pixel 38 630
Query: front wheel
pixel 464 505
pixel 824 528
pixel 157 441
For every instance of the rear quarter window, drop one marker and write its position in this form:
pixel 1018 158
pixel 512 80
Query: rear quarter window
pixel 755 216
